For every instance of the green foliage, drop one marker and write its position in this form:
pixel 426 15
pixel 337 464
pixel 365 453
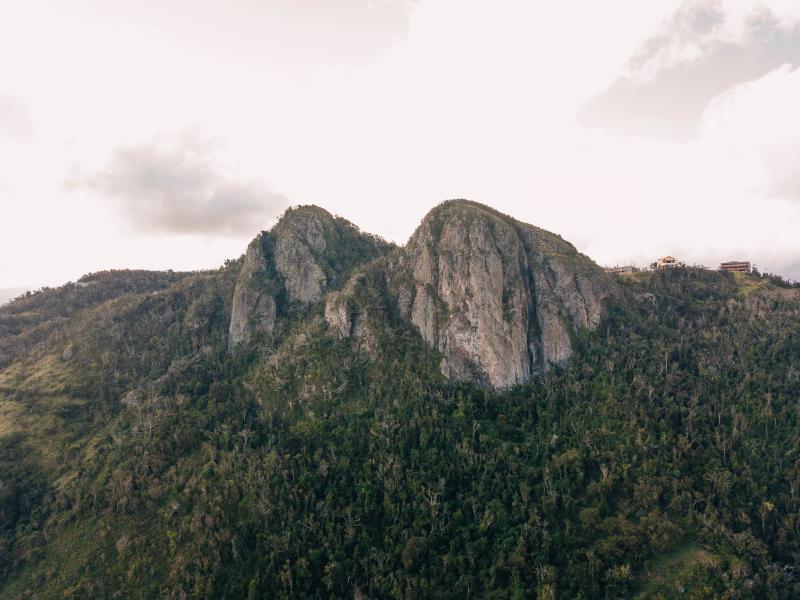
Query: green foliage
pixel 661 461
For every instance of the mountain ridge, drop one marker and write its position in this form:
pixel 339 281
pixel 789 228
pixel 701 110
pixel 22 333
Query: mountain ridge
pixel 336 456
pixel 495 324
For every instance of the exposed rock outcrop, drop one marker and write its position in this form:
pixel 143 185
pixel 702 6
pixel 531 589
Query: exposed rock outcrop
pixel 347 317
pixel 499 299
pixel 254 307
pixel 472 296
pixel 299 254
pixel 292 266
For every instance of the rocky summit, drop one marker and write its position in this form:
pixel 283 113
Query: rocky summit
pixel 500 300
pixel 306 254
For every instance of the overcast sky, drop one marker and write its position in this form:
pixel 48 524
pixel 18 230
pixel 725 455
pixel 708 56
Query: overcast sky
pixel 167 133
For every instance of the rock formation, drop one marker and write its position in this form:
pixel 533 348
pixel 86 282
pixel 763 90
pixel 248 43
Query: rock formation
pixel 347 316
pixel 499 299
pixel 471 296
pixel 299 250
pixel 293 265
pixel 254 307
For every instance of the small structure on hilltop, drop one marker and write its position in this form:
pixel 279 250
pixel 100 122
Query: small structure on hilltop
pixel 667 262
pixel 625 270
pixel 735 266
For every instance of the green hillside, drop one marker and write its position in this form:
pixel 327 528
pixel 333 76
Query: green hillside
pixel 140 459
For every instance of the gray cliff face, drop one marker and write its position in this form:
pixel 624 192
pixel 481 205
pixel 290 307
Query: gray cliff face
pixel 299 243
pixel 254 309
pixel 569 290
pixel 497 298
pixel 293 266
pixel 472 297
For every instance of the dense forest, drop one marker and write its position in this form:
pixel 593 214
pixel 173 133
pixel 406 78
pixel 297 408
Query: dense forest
pixel 140 459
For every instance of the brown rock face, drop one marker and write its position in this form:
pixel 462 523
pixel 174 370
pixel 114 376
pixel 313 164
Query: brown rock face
pixel 497 298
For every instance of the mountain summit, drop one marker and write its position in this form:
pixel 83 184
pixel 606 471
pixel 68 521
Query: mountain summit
pixel 307 253
pixel 500 300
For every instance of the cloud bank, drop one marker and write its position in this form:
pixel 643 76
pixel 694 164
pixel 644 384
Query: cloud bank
pixel 706 48
pixel 475 100
pixel 175 186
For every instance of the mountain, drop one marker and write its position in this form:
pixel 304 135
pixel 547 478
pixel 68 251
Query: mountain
pixel 499 299
pixel 306 254
pixel 482 412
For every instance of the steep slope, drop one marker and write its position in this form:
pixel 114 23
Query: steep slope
pixel 31 320
pixel 472 293
pixel 499 299
pixel 254 304
pixel 290 267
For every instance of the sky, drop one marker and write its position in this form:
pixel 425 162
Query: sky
pixel 167 133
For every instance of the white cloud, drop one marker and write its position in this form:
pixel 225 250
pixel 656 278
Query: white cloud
pixel 700 28
pixel 707 47
pixel 758 112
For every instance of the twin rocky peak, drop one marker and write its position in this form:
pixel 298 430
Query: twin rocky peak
pixel 498 299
